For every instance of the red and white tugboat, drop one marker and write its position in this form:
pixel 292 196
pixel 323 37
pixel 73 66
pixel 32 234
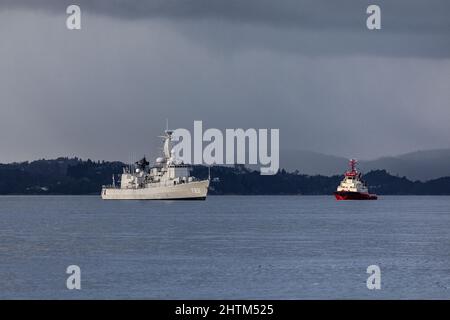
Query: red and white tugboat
pixel 353 187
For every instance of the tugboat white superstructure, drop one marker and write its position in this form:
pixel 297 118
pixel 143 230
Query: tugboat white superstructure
pixel 168 179
pixel 353 187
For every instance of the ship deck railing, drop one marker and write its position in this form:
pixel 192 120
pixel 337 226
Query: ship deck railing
pixel 110 186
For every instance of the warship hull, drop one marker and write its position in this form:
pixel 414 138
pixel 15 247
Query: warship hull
pixel 196 190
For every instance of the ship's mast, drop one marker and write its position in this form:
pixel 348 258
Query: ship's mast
pixel 352 172
pixel 353 165
pixel 167 140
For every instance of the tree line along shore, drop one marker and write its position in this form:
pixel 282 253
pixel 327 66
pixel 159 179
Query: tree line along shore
pixel 74 176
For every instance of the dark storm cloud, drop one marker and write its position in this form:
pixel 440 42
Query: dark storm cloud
pixel 310 68
pixel 405 15
pixel 409 27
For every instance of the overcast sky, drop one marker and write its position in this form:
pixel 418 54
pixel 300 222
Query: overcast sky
pixel 308 67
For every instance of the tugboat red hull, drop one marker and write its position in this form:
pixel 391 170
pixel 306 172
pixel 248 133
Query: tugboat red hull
pixel 348 195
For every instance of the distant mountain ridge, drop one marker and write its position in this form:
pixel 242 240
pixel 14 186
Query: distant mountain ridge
pixel 419 165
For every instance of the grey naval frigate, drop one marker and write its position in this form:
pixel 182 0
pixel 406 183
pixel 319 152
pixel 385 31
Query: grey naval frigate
pixel 167 179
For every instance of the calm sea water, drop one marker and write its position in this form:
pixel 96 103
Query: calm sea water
pixel 231 247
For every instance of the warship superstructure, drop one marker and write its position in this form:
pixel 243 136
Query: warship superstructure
pixel 167 179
